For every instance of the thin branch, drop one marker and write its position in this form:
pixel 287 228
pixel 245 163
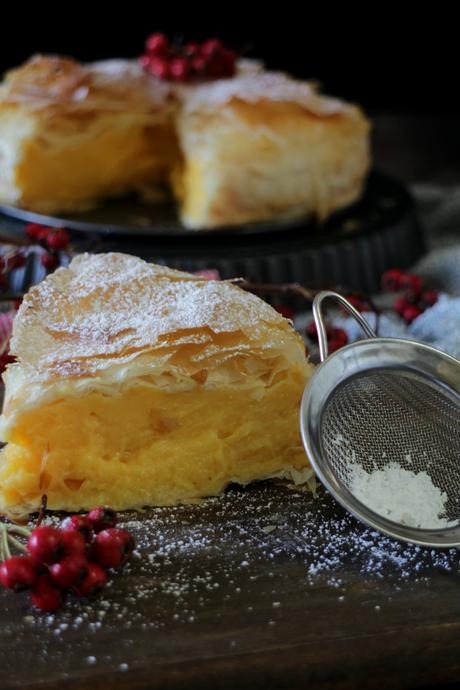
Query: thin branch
pixel 42 512
pixel 4 546
pixel 307 293
pixel 276 289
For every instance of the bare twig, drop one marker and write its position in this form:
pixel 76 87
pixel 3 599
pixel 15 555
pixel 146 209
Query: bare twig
pixel 307 293
pixel 42 512
pixel 276 289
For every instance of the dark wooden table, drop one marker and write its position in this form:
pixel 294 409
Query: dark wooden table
pixel 264 588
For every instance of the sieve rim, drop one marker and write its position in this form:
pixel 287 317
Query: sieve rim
pixel 383 353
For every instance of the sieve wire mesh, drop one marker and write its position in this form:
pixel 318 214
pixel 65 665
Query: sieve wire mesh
pixel 382 416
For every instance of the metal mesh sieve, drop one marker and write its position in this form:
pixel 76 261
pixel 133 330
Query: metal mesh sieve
pixel 378 418
pixel 381 401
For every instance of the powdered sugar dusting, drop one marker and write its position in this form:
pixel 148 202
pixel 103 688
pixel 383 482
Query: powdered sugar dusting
pixel 108 85
pixel 108 307
pixel 123 85
pixel 253 84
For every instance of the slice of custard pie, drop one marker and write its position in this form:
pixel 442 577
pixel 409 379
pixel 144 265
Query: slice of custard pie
pixel 137 385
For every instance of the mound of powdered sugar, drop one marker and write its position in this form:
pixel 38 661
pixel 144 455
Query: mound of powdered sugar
pixel 403 496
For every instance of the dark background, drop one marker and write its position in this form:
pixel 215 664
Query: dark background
pixel 385 60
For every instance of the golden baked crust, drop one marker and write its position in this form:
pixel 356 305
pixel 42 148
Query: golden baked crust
pixel 136 384
pixel 71 134
pixel 260 145
pixel 269 159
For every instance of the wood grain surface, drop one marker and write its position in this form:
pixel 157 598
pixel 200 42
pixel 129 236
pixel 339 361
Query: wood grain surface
pixel 264 588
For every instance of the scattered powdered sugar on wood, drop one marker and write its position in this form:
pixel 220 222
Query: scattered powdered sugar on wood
pixel 206 564
pixel 409 498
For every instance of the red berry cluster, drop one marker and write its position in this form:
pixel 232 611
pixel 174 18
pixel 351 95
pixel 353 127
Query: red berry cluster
pixel 414 298
pixel 336 337
pixel 53 240
pixel 359 303
pixel 74 558
pixel 190 62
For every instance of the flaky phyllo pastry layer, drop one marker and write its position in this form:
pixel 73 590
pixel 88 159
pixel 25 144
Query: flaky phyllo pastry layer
pixel 257 146
pixel 138 385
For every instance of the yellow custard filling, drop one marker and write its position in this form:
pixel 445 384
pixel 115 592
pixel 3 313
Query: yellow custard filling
pixel 144 446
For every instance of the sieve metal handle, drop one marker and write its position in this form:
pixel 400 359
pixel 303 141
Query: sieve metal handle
pixel 319 318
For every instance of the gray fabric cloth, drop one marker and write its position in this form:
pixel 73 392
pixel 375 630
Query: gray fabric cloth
pixel 439 209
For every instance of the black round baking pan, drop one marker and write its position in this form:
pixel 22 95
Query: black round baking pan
pixel 351 248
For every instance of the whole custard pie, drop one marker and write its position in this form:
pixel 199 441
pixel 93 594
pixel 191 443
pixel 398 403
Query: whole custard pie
pixel 256 145
pixel 136 385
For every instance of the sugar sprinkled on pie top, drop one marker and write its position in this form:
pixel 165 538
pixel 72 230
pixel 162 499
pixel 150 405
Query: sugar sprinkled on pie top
pixel 109 306
pixel 252 84
pixel 119 84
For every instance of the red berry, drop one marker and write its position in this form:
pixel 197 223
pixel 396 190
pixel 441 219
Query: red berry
pixel 157 44
pixel 44 544
pixel 102 518
pixel 70 571
pixel 113 547
pixel 49 261
pixel 43 235
pixel 391 280
pixel 94 581
pixel 58 239
pixel 18 572
pixel 227 63
pixel 411 282
pixel 214 67
pixel 337 339
pixel 18 260
pixel 410 313
pixel 159 68
pixel 199 65
pixel 287 312
pixel 357 303
pixel 400 304
pixel 192 49
pixel 412 296
pixel 33 231
pixel 73 543
pixel 45 595
pixel 312 330
pixel 37 233
pixel 78 523
pixel 428 298
pixel 179 69
pixel 211 47
pixel 334 344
